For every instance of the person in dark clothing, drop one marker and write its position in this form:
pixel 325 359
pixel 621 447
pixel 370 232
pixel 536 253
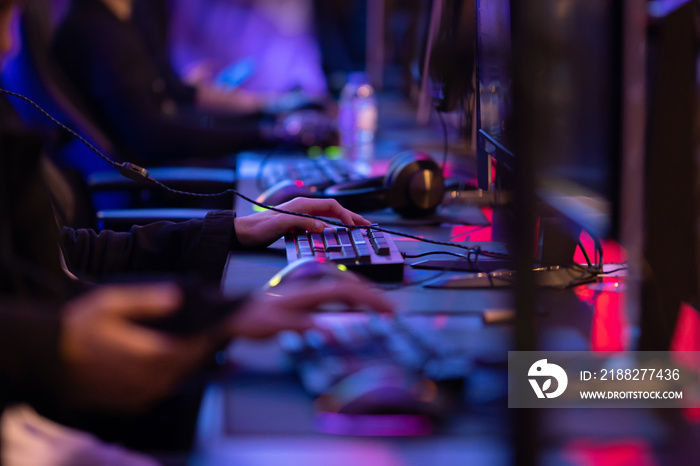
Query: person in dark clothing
pixel 144 109
pixel 147 110
pixel 74 350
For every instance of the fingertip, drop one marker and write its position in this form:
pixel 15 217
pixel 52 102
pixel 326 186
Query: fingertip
pixel 359 219
pixel 386 308
pixel 318 226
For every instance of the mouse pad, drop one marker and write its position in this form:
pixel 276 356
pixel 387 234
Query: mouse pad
pixel 455 215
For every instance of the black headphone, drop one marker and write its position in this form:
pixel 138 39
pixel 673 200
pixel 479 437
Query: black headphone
pixel 413 186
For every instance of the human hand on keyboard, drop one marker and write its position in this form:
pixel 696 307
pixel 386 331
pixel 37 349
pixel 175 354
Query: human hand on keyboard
pixel 263 228
pixel 266 314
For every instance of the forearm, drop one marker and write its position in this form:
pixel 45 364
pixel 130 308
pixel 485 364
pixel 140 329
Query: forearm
pixel 237 101
pixel 195 246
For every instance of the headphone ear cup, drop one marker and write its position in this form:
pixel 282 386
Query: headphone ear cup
pixel 359 196
pixel 398 162
pixel 414 184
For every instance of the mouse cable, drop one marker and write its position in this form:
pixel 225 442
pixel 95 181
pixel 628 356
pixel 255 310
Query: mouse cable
pixel 445 143
pixel 139 174
pixel 432 253
pixel 461 258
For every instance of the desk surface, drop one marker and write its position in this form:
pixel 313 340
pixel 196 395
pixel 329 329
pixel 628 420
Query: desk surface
pixel 261 415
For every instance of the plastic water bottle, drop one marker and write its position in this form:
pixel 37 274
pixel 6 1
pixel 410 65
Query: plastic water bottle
pixel 357 121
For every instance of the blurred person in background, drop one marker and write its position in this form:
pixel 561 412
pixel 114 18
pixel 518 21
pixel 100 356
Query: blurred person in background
pixel 265 47
pixel 152 116
pixel 342 30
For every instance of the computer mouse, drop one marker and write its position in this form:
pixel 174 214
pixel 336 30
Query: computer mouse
pixel 381 399
pixel 286 190
pixel 314 269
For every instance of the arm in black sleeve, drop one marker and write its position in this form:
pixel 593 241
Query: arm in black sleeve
pixel 156 136
pixel 193 246
pixel 107 59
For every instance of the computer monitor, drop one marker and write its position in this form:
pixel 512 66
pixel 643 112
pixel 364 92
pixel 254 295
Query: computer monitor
pixel 446 39
pixel 494 89
pixel 603 111
pixel 671 207
pixel 493 110
pixel 575 78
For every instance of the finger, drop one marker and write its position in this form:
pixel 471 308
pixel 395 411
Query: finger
pixel 325 208
pixel 184 354
pixel 263 322
pixel 286 223
pixel 359 219
pixel 143 342
pixel 138 301
pixel 150 351
pixel 293 321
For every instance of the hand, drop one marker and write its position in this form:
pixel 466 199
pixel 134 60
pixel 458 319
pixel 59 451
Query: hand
pixel 266 314
pixel 263 228
pixel 115 364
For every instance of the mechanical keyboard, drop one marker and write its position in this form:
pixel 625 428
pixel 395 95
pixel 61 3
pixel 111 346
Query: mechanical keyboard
pixel 323 358
pixel 320 172
pixel 365 251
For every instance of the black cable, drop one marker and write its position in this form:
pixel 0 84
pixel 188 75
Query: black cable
pixel 477 251
pixel 137 173
pixel 608 272
pixel 430 253
pixel 116 165
pixel 425 280
pixel 585 253
pixel 330 222
pixel 445 146
pixel 599 252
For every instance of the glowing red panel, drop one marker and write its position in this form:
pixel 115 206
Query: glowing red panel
pixel 474 232
pixel 609 329
pixel 613 253
pixel 686 337
pixel 631 452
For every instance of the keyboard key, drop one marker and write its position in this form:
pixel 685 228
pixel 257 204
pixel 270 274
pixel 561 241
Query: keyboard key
pixel 330 240
pixel 343 237
pixel 374 255
pixel 315 339
pixel 304 249
pixel 363 254
pixel 321 172
pixel 290 341
pixel 317 240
